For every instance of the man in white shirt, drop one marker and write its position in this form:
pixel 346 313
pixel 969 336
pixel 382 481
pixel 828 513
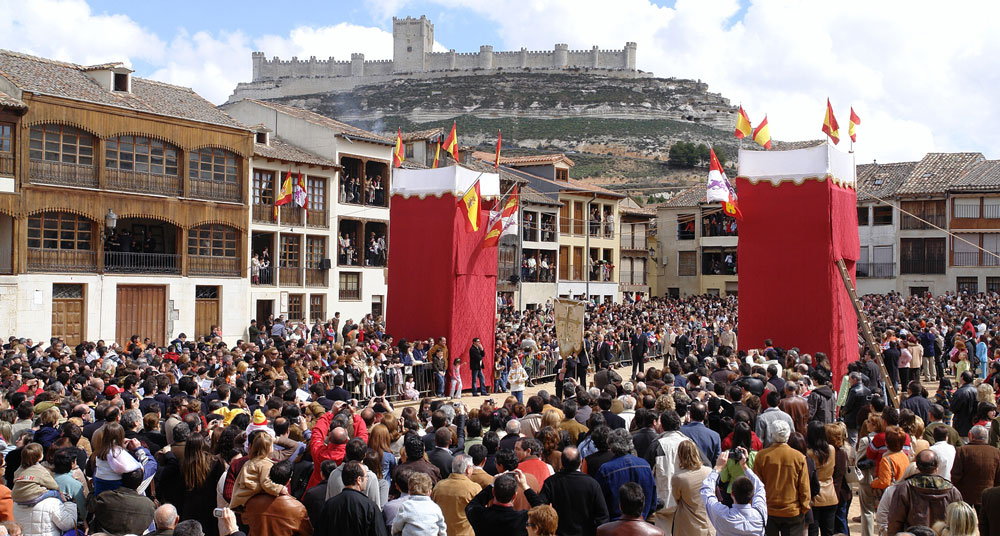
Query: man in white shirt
pixel 945 451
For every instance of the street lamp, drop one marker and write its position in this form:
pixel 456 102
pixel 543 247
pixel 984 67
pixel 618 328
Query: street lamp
pixel 110 222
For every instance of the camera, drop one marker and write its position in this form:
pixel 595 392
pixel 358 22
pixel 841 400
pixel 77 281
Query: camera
pixel 218 512
pixel 736 455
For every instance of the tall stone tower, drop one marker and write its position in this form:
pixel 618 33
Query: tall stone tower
pixel 412 39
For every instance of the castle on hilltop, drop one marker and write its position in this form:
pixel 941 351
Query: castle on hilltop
pixel 413 58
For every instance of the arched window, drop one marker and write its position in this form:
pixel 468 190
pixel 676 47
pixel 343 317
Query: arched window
pixel 60 143
pixel 142 155
pixel 214 165
pixel 60 231
pixel 213 241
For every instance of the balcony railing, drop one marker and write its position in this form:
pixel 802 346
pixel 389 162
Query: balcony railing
pixel 316 277
pixel 632 278
pixel 965 258
pixel 317 218
pixel 290 277
pixel 634 243
pixel 45 172
pixel 59 260
pixel 685 235
pixel 603 273
pixel 265 278
pixel 875 270
pixel 911 223
pixel 263 213
pixel 350 293
pixel 934 264
pixel 141 263
pixel 292 215
pixel 147 183
pixel 6 164
pixel 218 266
pixel 215 191
pixel 538 275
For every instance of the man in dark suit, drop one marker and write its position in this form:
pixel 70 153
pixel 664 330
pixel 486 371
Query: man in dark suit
pixel 640 344
pixel 583 360
pixel 613 421
pixel 603 351
pixel 576 497
pixel 500 518
pixel 351 512
pixel 476 355
pixel 683 345
pixel 338 392
pixel 442 455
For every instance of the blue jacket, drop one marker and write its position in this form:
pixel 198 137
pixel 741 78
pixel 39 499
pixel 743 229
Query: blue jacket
pixel 708 440
pixel 623 469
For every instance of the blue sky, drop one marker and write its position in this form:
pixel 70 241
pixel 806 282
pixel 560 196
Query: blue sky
pixel 922 78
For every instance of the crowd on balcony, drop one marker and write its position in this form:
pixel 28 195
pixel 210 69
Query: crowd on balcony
pixel 124 241
pixel 375 252
pixel 718 224
pixel 261 272
pixel 292 430
pixel 362 191
pixel 602 223
pixel 601 270
pixel 538 269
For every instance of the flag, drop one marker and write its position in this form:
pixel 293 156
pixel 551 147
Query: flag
pixel 853 122
pixel 762 134
pixel 451 142
pixel 437 154
pixel 719 188
pixel 830 126
pixel 469 203
pixel 743 126
pixel 300 196
pixel 397 154
pixel 285 194
pixel 496 159
pixel 502 222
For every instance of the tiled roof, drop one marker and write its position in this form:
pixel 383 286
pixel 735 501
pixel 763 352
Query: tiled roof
pixel 279 150
pixel 593 188
pixel 531 195
pixel 634 211
pixel 413 164
pixel 342 129
pixel 792 145
pixel 936 172
pixel 422 134
pixel 984 176
pixel 68 80
pixel 881 180
pixel 528 160
pixel 6 101
pixel 692 197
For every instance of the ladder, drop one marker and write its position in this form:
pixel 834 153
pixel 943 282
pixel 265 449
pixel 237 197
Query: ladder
pixel 866 331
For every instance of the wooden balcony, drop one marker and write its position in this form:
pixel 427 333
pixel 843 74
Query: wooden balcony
pixel 263 213
pixel 120 262
pixel 214 266
pixel 316 277
pixel 215 191
pixel 290 277
pixel 7 164
pixel 146 183
pixel 318 218
pixel 292 215
pixel 59 260
pixel 45 172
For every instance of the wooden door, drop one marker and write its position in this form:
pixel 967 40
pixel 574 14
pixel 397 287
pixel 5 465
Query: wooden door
pixel 142 311
pixel 564 262
pixel 578 268
pixel 206 309
pixel 67 313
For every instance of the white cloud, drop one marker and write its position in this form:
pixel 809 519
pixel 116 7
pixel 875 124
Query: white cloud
pixel 211 65
pixel 339 41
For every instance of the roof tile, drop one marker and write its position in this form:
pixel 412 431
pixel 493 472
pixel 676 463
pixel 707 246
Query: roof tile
pixel 936 172
pixel 338 127
pixel 984 176
pixel 881 180
pixel 279 150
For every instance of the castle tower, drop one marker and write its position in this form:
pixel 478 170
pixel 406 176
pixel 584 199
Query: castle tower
pixel 412 39
pixel 630 56
pixel 258 65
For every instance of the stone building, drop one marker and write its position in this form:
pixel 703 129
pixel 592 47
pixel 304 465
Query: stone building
pixel 697 243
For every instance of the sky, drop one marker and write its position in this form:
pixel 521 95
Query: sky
pixel 921 75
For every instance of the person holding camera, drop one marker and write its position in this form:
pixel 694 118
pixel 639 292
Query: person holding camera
pixel 748 514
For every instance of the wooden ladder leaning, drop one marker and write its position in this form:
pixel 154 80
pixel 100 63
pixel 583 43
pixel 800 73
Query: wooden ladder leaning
pixel 866 331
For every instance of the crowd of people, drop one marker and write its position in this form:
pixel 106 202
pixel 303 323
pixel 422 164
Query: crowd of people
pixel 362 191
pixel 295 431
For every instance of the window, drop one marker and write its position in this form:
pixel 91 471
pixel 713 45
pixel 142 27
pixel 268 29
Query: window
pixel 862 216
pixel 121 81
pixel 67 291
pixel 408 150
pixel 993 284
pixel 564 224
pixel 883 263
pixel 315 251
pixel 578 217
pixel 261 137
pixel 991 207
pixel 687 263
pixel 317 307
pixel 141 154
pixel 991 243
pixel 968 284
pixel 214 165
pixel 60 230
pixel 377 305
pixel 967 207
pixel 6 137
pixel 350 286
pixel 931 211
pixel 881 215
pixel 674 292
pixel 863 257
pixel 295 307
pixel 316 187
pixel 206 292
pixel 562 174
pixel 263 187
pixel 965 253
pixel 922 255
pixel 58 143
pixel 291 248
pixel 685 227
pixel 212 241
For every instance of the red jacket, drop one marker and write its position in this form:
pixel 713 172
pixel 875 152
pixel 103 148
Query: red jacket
pixel 321 451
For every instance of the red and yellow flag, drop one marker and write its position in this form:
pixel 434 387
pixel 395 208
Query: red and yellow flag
pixel 853 122
pixel 830 126
pixel 451 142
pixel 496 159
pixel 284 195
pixel 397 154
pixel 743 126
pixel 469 204
pixel 762 134
pixel 437 154
pixel 502 222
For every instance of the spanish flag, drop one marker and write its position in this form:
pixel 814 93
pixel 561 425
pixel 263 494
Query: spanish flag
pixel 496 159
pixel 502 222
pixel 469 205
pixel 743 126
pixel 284 195
pixel 762 134
pixel 451 142
pixel 830 126
pixel 853 122
pixel 397 154
pixel 437 154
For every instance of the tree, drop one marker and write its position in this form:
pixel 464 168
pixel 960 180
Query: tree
pixel 683 154
pixel 703 154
